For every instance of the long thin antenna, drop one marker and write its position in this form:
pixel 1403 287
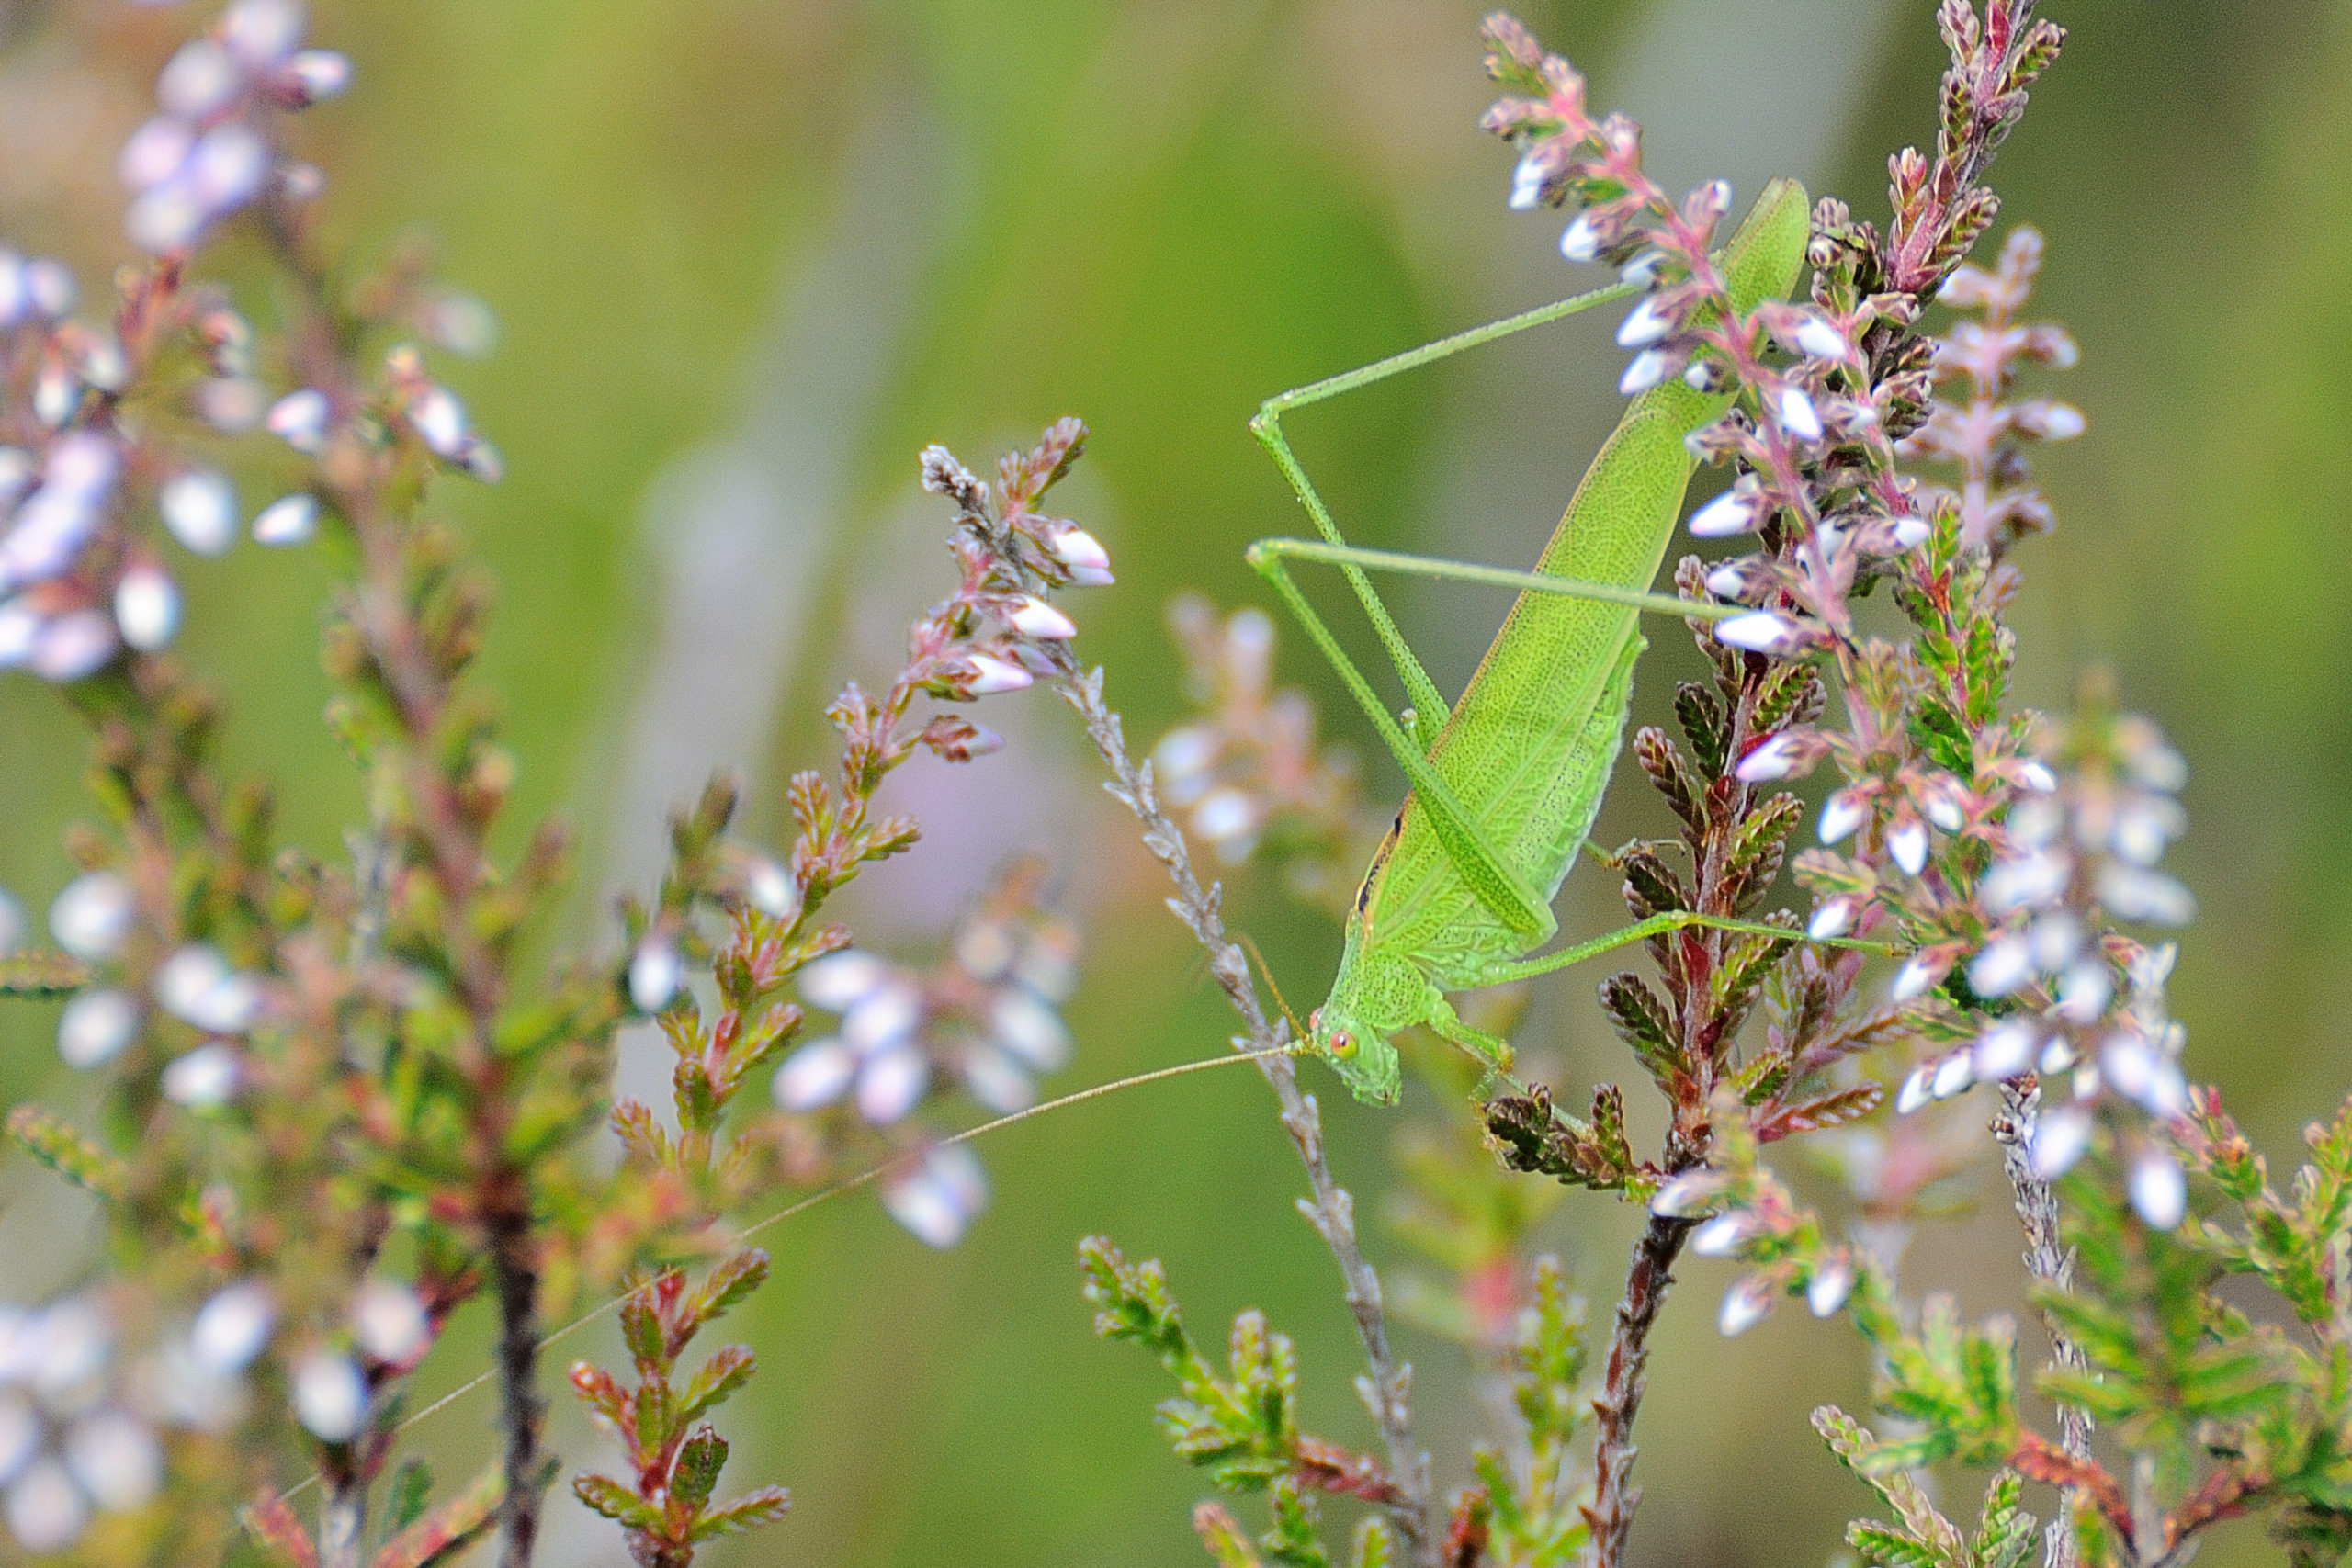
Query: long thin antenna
pixel 1267 970
pixel 851 1184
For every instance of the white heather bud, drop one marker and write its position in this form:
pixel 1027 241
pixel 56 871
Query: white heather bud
pixel 1915 978
pixel 1907 843
pixel 1816 339
pixel 116 1458
pixel 439 421
pixel 390 1323
pixel 319 73
pixel 1833 920
pixel 50 288
pixel 300 419
pixel 1830 1285
pixel 2054 422
pixel 329 1396
pixel 56 393
pixel 1797 414
pixel 200 510
pixel 226 168
pixel 1910 532
pixel 1647 370
pixel 814 1075
pixel 1527 182
pixel 1644 325
pixel 45 1509
pixel 1581 241
pixel 1080 550
pixel 991 675
pixel 155 152
pixel 2003 1051
pixel 941 1197
pixel 1745 1305
pixel 1038 619
pixel 198 80
pixel 1030 1029
pixel 1728 581
pixel 1734 511
pixel 262 32
pixel 1684 1195
pixel 1759 631
pixel 1945 812
pixel 203 1078
pixel 1840 815
pixel 1771 760
pixel 2059 1140
pixel 76 644
pixel 1914 1093
pixel 95 1026
pixel 2006 964
pixel 2084 991
pixel 839 981
pixel 232 1326
pixel 770 889
pixel 289 520
pixel 92 916
pixel 890 1083
pixel 147 607
pixel 2159 1191
pixel 1721 1236
pixel 1954 1074
pixel 655 973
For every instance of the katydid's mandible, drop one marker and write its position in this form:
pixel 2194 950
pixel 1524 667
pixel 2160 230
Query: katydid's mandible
pixel 1504 793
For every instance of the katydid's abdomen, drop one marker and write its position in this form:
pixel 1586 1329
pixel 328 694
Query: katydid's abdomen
pixel 1528 748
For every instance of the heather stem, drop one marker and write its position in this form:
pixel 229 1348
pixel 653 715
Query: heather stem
pixel 513 1264
pixel 1647 1278
pixel 1387 1386
pixel 2047 1260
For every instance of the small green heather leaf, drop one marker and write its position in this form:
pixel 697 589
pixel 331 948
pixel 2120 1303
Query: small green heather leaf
pixel 748 1512
pixel 52 1141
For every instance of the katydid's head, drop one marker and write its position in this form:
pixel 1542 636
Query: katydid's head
pixel 1360 1053
pixel 1375 994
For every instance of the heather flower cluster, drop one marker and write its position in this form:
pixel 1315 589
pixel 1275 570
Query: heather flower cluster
pixel 984 1018
pixel 328 1105
pixel 1249 766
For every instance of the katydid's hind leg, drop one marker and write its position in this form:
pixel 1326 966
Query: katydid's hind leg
pixel 1268 426
pixel 1420 690
pixel 1481 866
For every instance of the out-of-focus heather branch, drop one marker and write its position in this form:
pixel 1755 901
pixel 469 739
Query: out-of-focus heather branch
pixel 2047 1260
pixel 1003 520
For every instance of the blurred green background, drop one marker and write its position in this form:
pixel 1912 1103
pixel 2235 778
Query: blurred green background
pixel 750 255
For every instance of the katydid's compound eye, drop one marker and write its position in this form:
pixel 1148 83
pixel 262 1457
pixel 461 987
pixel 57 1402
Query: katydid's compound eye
pixel 1343 1044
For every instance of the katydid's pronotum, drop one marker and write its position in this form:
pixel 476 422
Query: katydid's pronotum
pixel 1504 791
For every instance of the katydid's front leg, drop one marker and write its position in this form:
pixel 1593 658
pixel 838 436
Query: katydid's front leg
pixel 1420 690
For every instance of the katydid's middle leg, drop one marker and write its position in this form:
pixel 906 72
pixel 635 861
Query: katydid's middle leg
pixel 1419 690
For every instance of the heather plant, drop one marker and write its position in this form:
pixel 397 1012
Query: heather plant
pixel 323 1105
